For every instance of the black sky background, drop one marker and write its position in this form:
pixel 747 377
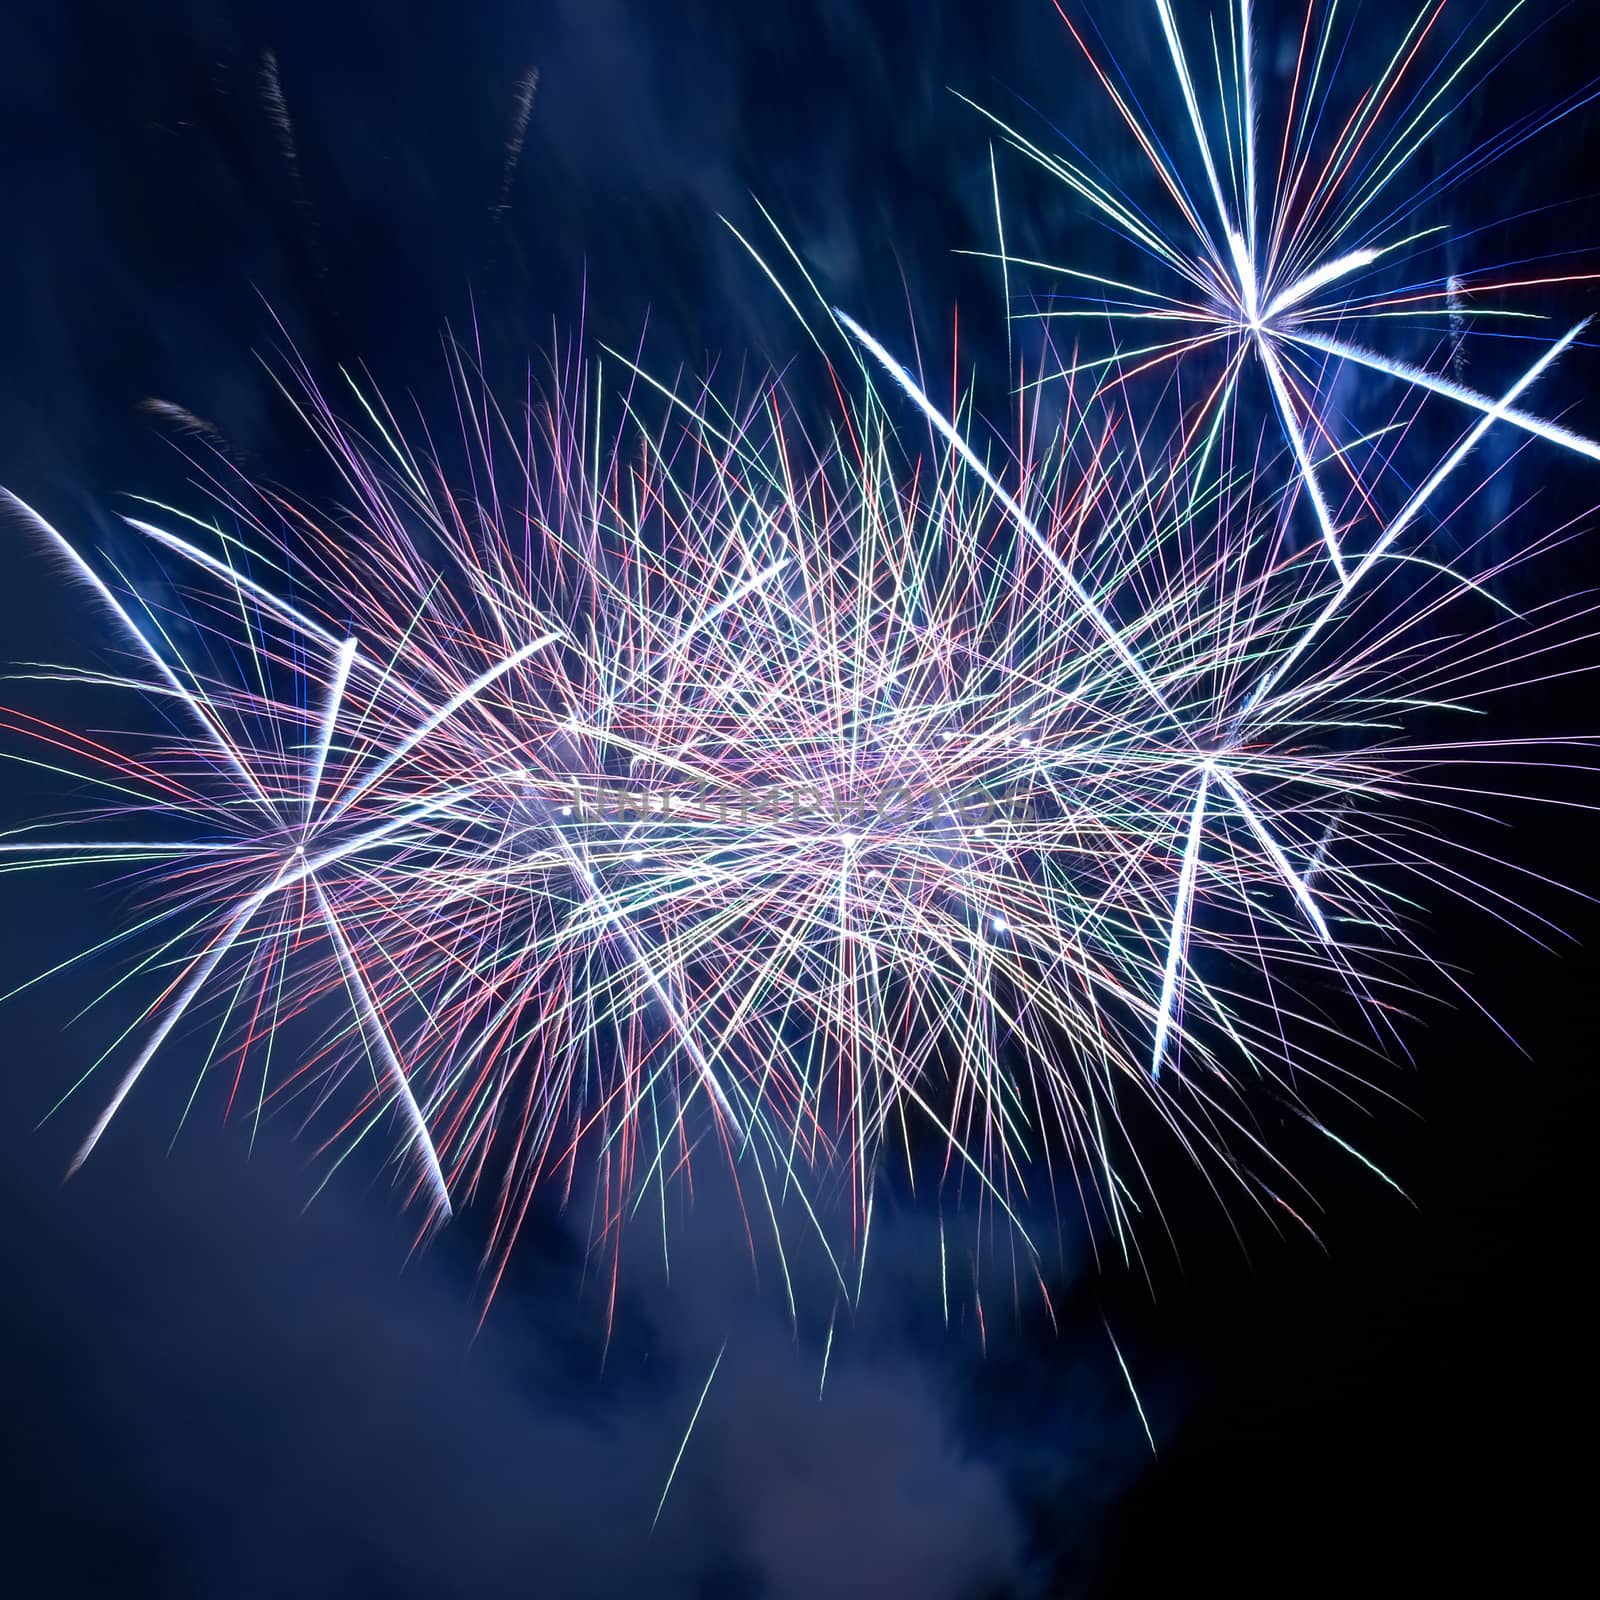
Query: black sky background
pixel 213 1389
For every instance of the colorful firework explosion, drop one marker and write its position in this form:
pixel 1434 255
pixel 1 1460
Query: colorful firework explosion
pixel 711 780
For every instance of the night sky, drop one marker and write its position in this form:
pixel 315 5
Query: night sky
pixel 215 1389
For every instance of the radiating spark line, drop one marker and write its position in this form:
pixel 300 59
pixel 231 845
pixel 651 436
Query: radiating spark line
pixel 827 1351
pixel 1296 884
pixel 677 1459
pixel 330 717
pixel 1127 1378
pixel 1302 454
pixel 208 964
pixel 378 1037
pixel 1319 278
pixel 92 579
pixel 1182 901
pixel 257 591
pixel 1496 410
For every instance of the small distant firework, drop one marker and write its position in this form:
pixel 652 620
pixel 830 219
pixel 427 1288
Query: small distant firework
pixel 714 779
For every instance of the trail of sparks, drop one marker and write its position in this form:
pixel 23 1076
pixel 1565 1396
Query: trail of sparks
pixel 677 1460
pixel 1133 1393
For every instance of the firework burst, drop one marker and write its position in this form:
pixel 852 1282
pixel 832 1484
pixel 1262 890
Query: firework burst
pixel 715 779
pixel 1301 242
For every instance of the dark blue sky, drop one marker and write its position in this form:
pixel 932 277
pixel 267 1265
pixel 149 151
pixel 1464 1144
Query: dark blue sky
pixel 214 1392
